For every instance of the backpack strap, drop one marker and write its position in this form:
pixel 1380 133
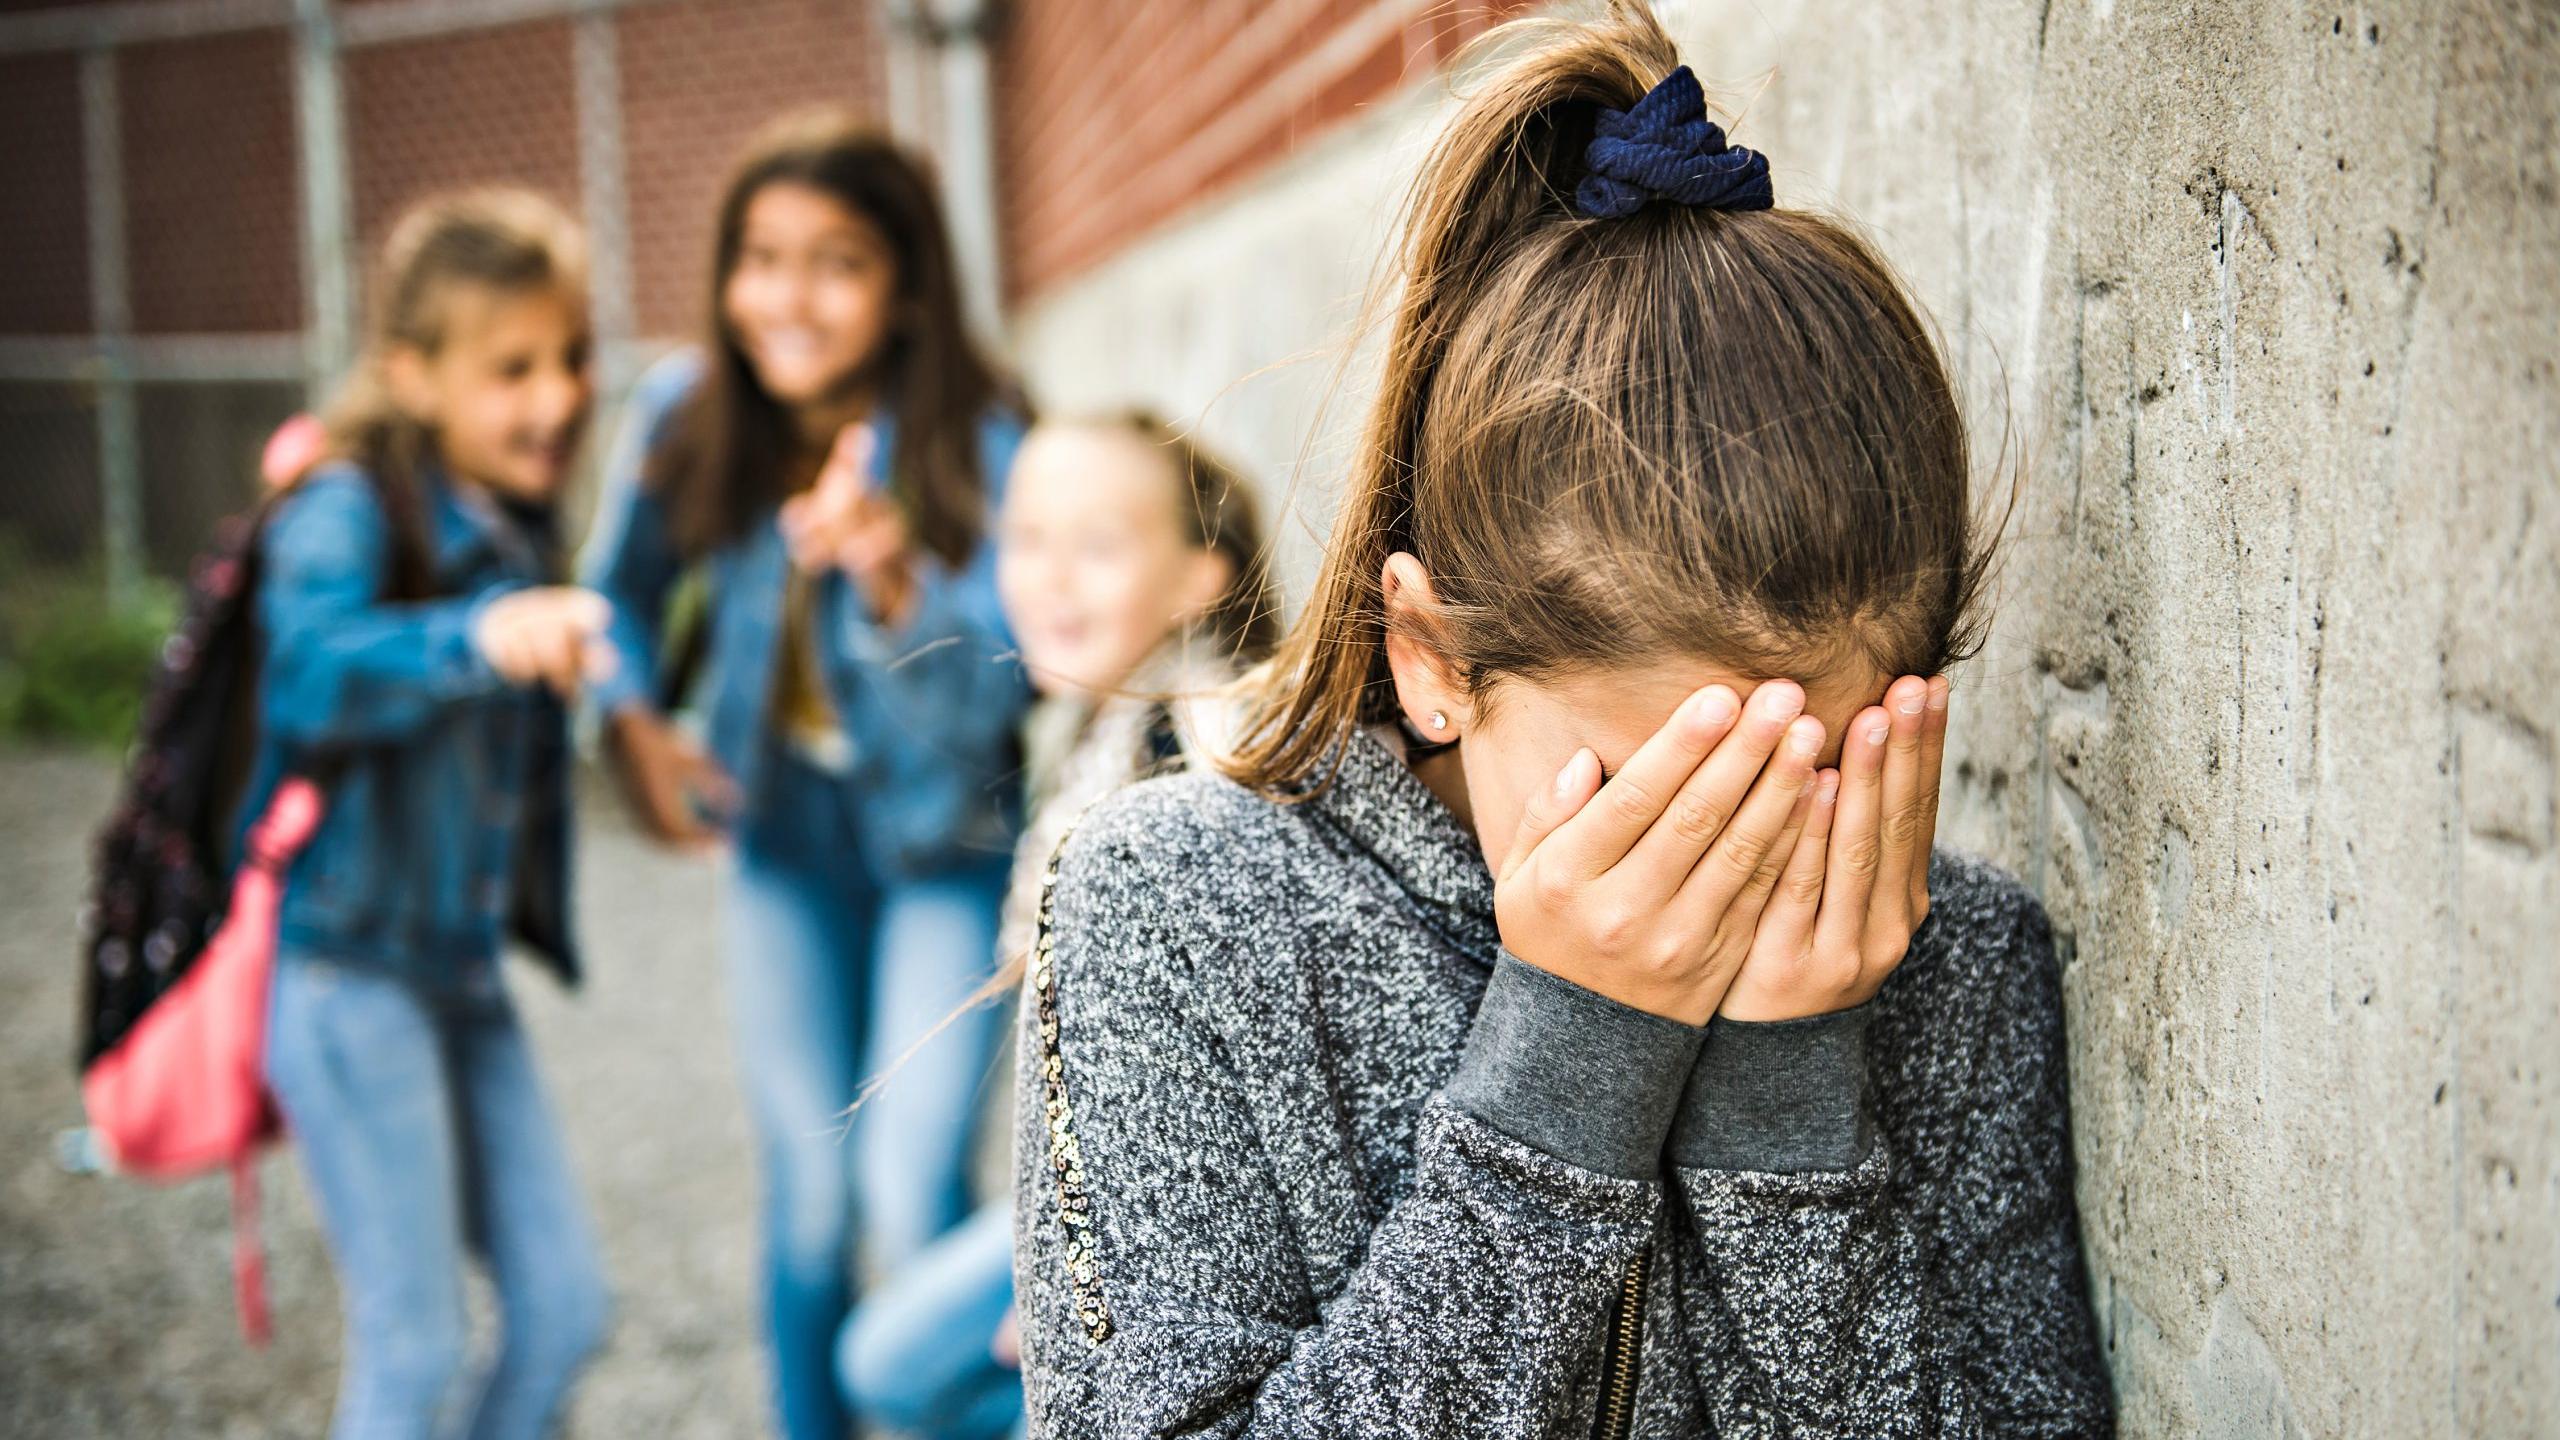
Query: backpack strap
pixel 249 1253
pixel 292 813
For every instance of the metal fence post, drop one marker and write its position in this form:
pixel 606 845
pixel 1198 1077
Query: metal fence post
pixel 327 228
pixel 111 315
pixel 940 93
pixel 602 195
pixel 967 91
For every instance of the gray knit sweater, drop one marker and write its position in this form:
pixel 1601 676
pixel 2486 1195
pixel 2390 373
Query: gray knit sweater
pixel 1304 1153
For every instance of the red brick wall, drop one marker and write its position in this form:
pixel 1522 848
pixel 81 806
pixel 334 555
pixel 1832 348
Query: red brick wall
pixel 44 224
pixel 698 76
pixel 1113 115
pixel 475 108
pixel 213 221
pixel 212 209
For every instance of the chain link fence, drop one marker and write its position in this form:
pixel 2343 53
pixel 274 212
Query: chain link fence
pixel 193 187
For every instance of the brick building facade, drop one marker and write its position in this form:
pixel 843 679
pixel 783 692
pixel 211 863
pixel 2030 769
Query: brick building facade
pixel 158 282
pixel 1114 115
pixel 166 294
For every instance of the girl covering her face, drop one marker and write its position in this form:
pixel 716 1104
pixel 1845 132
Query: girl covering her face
pixel 1555 1021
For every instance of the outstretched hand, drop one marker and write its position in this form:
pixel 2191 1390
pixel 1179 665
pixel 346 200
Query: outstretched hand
pixel 550 635
pixel 676 789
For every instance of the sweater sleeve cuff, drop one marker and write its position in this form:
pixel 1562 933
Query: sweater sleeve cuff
pixel 626 687
pixel 1784 1096
pixel 454 644
pixel 1573 1073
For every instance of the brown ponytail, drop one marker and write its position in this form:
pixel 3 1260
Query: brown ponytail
pixel 1723 435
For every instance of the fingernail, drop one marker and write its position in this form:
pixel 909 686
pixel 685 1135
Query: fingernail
pixel 1783 701
pixel 1715 705
pixel 1911 701
pixel 1827 788
pixel 1564 777
pixel 1876 731
pixel 1938 689
pixel 1804 739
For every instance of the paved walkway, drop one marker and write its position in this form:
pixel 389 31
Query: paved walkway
pixel 115 1305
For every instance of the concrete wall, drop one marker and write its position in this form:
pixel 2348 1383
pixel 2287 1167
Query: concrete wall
pixel 2271 299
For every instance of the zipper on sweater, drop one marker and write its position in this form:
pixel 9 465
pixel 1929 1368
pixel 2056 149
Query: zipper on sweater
pixel 1618 1357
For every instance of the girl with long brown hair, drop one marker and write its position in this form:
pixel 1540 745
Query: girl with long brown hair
pixel 1556 1020
pixel 826 463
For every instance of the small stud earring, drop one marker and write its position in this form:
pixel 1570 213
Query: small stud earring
pixel 1438 721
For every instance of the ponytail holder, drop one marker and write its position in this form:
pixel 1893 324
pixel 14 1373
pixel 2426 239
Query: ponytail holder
pixel 1665 148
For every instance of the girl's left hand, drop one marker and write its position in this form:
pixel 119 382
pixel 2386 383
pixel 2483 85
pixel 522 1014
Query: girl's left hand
pixel 841 523
pixel 1857 886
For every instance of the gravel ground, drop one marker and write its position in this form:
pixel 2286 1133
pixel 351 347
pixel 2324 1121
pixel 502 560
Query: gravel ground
pixel 115 1303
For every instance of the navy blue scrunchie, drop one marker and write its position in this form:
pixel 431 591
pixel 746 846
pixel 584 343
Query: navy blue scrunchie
pixel 1665 148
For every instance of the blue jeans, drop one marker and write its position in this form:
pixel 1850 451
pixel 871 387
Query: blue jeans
pixel 835 978
pixel 424 1134
pixel 919 1356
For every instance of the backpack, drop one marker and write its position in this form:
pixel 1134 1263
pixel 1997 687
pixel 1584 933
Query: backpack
pixel 178 940
pixel 161 866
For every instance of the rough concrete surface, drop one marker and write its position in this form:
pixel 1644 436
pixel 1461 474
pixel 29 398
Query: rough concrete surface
pixel 2266 301
pixel 115 1297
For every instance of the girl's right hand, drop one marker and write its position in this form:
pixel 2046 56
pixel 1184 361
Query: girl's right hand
pixel 1854 893
pixel 841 523
pixel 547 634
pixel 1649 890
pixel 669 780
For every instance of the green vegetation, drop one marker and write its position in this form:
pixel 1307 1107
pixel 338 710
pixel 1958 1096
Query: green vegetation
pixel 74 667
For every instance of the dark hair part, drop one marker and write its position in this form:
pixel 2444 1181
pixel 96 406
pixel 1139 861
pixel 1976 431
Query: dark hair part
pixel 511 242
pixel 1723 435
pixel 728 460
pixel 1218 510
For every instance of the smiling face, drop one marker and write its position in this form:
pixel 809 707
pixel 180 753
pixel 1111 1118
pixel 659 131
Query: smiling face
pixel 1096 564
pixel 507 392
pixel 811 295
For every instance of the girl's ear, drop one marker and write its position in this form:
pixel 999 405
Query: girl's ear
pixel 404 372
pixel 1430 696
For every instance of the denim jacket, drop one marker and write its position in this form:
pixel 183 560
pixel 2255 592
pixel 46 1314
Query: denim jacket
pixel 448 804
pixel 929 706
